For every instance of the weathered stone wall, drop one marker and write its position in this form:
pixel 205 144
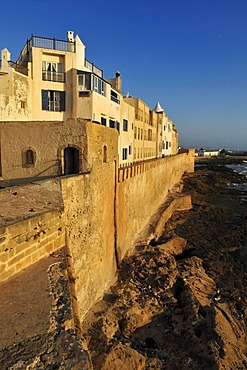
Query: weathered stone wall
pixel 26 242
pixel 103 210
pixel 47 140
pixel 15 95
pixel 141 190
pixel 89 204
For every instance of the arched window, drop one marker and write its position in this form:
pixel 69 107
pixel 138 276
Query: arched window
pixel 28 157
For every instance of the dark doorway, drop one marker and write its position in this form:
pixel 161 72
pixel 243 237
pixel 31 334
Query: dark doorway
pixel 71 161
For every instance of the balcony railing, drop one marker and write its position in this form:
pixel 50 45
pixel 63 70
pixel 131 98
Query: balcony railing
pixel 45 43
pixel 53 76
pixel 116 100
pixel 93 68
pixel 52 43
pixel 18 68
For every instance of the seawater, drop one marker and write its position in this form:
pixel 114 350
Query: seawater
pixel 240 168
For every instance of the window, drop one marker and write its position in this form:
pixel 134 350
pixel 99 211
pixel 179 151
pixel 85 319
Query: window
pixel 115 97
pixel 103 121
pixel 53 72
pixel 125 125
pixel 53 100
pixel 135 132
pixel 89 81
pixel 114 124
pixel 23 104
pixel 84 94
pixel 28 157
pixel 98 85
pixel 84 81
pixel 111 123
pixel 125 153
pixel 130 149
pixel 104 154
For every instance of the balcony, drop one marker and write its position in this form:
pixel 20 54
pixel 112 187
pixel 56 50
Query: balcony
pixel 114 97
pixel 53 76
pixel 93 68
pixel 44 43
pixel 17 67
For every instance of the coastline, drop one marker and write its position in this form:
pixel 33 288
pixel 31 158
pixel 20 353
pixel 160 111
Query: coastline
pixel 181 302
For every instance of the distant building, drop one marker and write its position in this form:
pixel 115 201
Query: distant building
pixel 209 153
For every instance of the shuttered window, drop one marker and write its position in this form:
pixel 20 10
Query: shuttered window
pixel 53 100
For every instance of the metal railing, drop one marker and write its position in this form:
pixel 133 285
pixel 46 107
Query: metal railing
pixel 45 43
pixel 53 76
pixel 18 68
pixel 52 43
pixel 93 68
pixel 116 100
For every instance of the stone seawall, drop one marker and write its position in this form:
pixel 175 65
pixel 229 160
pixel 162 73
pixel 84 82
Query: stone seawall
pixel 141 190
pixel 98 215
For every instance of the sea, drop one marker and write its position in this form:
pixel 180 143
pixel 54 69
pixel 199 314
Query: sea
pixel 240 168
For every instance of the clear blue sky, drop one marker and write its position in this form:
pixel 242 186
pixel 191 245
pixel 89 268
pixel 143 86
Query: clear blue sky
pixel 191 55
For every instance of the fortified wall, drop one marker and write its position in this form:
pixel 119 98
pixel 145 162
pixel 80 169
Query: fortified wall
pixel 97 216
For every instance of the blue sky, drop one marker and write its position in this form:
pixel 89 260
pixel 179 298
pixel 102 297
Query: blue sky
pixel 191 55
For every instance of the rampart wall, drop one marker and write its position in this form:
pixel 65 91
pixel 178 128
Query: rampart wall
pixel 89 202
pixel 141 190
pixel 102 212
pixel 25 242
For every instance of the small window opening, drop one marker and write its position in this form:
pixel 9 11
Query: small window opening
pixel 29 157
pixel 104 154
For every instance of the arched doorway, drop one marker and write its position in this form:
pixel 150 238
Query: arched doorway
pixel 71 161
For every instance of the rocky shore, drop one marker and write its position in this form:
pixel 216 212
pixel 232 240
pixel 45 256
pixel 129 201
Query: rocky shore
pixel 180 302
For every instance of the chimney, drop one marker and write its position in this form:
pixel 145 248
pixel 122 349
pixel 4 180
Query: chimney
pixel 118 83
pixel 70 36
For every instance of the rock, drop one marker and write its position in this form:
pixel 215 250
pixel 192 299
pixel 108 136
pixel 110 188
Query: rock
pixel 122 357
pixel 174 246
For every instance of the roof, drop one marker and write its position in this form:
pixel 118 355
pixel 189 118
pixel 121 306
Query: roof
pixel 158 108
